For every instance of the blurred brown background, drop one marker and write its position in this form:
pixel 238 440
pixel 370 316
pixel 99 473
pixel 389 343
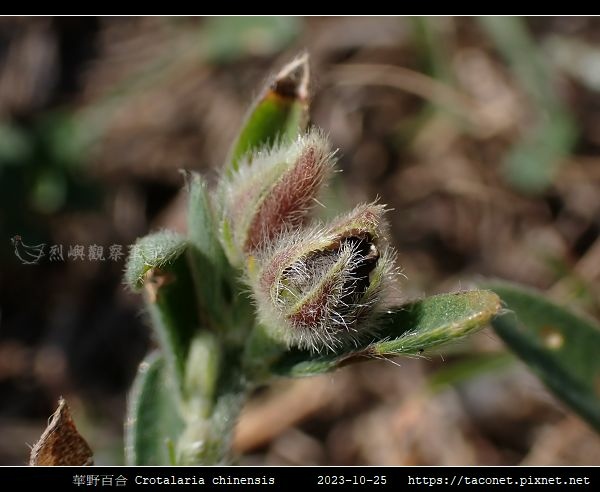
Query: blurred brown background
pixel 481 134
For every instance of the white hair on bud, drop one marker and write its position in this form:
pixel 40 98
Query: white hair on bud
pixel 273 190
pixel 320 290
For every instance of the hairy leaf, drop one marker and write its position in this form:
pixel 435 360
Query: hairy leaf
pixel 410 329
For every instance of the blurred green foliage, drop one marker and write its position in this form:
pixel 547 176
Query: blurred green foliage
pixel 534 160
pixel 227 39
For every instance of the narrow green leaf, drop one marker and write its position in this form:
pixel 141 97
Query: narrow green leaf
pixel 158 264
pixel 203 370
pixel 153 421
pixel 279 115
pixel 410 329
pixel 202 226
pixel 207 439
pixel 436 320
pixel 223 304
pixel 209 265
pixel 174 312
pixel 562 348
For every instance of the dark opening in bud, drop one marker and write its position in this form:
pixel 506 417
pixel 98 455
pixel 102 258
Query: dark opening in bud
pixel 366 255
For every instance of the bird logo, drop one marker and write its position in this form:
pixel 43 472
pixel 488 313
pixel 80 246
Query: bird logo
pixel 29 255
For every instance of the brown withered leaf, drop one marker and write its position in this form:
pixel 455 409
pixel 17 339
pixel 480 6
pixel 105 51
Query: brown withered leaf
pixel 61 444
pixel 154 279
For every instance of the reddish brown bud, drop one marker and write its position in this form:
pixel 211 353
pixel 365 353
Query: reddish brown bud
pixel 271 193
pixel 319 288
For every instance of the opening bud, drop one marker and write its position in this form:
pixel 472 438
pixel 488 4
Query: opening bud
pixel 320 288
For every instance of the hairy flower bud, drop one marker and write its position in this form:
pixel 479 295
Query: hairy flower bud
pixel 272 191
pixel 320 288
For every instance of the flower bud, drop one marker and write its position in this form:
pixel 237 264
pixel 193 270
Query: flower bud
pixel 270 192
pixel 320 288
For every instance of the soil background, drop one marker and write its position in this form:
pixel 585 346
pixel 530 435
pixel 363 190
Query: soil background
pixel 482 135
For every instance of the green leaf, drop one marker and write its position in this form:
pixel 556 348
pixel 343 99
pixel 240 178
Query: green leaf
pixel 209 265
pixel 561 347
pixel 155 250
pixel 409 329
pixel 203 370
pixel 153 421
pixel 436 320
pixel 279 115
pixel 223 304
pixel 207 438
pixel 157 262
pixel 201 222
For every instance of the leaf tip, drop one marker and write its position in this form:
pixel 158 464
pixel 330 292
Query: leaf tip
pixel 293 79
